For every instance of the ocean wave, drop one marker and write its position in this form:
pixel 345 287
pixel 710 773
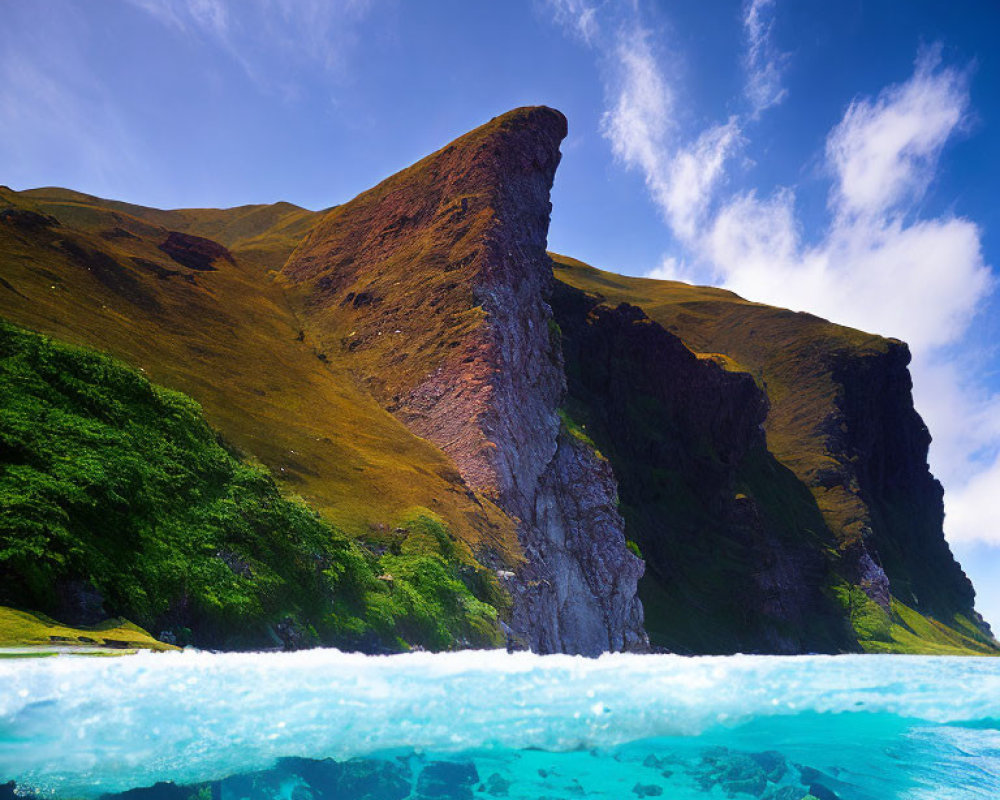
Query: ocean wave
pixel 85 726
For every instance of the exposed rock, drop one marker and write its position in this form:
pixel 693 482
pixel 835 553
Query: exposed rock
pixel 452 250
pixel 27 221
pixel 497 785
pixel 871 578
pixel 684 438
pixel 359 778
pixel 80 603
pixel 848 451
pixel 881 444
pixel 449 780
pixel 194 252
pixel 732 771
pixel 578 594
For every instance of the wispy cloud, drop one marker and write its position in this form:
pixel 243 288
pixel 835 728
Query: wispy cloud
pixel 642 130
pixel 640 123
pixel 763 62
pixel 578 17
pixel 268 38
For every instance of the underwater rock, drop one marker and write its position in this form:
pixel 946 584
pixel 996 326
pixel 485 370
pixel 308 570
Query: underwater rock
pixel 497 785
pixel 357 779
pixel 448 780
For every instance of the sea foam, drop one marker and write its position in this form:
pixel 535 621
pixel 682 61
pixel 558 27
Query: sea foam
pixel 86 726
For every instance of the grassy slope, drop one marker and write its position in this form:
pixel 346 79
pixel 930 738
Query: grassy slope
pixel 782 349
pixel 20 628
pixel 108 479
pixel 229 339
pixel 434 214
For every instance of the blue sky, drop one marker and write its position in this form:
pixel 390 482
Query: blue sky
pixel 841 158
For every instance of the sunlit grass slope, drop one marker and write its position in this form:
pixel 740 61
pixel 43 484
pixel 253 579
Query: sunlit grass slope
pixel 111 482
pixel 95 272
pixel 24 628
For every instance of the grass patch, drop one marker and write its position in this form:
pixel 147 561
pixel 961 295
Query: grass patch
pixel 578 432
pixel 20 628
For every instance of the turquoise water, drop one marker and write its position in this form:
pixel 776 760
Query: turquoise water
pixel 321 725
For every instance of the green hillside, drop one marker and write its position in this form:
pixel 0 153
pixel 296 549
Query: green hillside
pixel 112 482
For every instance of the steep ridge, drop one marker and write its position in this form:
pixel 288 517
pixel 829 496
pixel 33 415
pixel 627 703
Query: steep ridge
pixel 841 420
pixel 435 283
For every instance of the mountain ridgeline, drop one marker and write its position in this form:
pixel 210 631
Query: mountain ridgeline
pixel 401 422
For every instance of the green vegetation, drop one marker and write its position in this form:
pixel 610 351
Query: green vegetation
pixel 19 628
pixel 111 480
pixel 903 630
pixel 578 432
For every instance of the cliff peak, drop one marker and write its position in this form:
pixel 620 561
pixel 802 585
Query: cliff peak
pixel 412 278
pixel 434 284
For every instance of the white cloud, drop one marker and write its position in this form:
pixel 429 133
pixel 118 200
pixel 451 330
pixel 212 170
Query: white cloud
pixel 641 119
pixel 763 63
pixel 692 175
pixel 973 510
pixel 642 130
pixel 671 269
pixel 579 17
pixel 885 151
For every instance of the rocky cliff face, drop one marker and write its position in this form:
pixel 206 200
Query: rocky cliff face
pixel 436 282
pixel 420 379
pixel 729 568
pixel 880 444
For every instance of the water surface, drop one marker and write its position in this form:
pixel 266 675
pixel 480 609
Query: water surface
pixel 321 725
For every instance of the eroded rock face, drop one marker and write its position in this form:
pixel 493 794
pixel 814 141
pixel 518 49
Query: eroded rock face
pixel 880 444
pixel 579 595
pixel 730 539
pixel 436 281
pixel 194 252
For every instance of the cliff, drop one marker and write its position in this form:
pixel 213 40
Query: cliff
pixel 838 472
pixel 435 285
pixel 733 546
pixel 505 439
